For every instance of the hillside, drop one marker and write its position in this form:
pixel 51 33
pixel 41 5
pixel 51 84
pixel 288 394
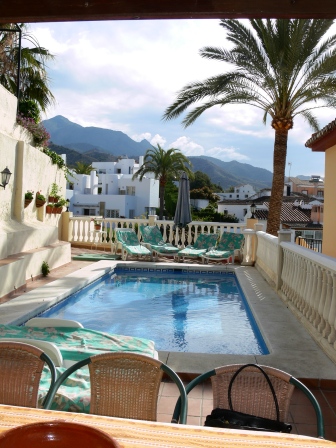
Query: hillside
pixel 65 133
pixel 92 144
pixel 232 173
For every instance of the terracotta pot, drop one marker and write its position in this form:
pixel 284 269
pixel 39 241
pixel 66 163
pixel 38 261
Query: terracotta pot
pixel 57 210
pixel 49 209
pixel 39 203
pixel 27 202
pixel 53 199
pixel 97 226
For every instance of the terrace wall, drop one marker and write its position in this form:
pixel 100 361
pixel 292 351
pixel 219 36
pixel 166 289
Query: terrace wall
pixel 28 235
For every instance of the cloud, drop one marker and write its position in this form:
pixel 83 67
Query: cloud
pixel 226 154
pixel 140 137
pixel 188 147
pixel 122 75
pixel 158 139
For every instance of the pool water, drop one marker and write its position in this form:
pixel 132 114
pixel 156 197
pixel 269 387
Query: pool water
pixel 182 313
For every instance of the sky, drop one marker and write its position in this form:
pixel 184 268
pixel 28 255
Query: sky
pixel 122 75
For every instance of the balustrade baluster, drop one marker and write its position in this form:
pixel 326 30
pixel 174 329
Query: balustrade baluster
pixel 313 297
pixel 318 299
pixel 332 312
pixel 327 305
pixel 306 311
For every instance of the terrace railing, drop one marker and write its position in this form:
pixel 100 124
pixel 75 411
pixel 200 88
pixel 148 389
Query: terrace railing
pixel 80 230
pixel 305 280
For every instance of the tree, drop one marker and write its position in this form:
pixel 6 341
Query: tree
pixel 165 165
pixel 200 180
pixel 83 168
pixel 284 67
pixel 34 82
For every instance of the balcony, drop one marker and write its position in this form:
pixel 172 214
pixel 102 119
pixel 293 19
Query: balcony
pixel 304 279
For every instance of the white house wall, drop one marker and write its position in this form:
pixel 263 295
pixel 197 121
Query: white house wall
pixel 146 191
pixel 26 234
pixel 239 210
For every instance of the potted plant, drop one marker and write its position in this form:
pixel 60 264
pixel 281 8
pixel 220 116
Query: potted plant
pixel 96 223
pixel 49 208
pixel 54 193
pixel 28 197
pixel 58 206
pixel 45 269
pixel 40 199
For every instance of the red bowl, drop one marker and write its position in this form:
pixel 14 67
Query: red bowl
pixel 58 434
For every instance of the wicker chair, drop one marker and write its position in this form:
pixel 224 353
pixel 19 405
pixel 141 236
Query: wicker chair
pixel 251 394
pixel 125 385
pixel 21 368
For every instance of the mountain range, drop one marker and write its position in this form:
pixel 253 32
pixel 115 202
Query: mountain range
pixel 93 144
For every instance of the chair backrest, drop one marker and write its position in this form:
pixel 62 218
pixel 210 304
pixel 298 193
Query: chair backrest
pixel 127 237
pixel 151 234
pixel 43 322
pixel 230 241
pixel 21 368
pixel 206 240
pixel 49 348
pixel 125 385
pixel 251 393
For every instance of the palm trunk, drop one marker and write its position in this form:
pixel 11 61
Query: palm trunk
pixel 162 190
pixel 278 183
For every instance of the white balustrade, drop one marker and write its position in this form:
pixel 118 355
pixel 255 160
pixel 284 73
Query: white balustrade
pixel 267 256
pixel 82 226
pixel 309 288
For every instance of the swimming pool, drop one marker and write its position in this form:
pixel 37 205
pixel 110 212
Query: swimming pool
pixel 180 312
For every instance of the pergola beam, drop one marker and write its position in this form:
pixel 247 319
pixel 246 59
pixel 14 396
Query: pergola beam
pixel 17 11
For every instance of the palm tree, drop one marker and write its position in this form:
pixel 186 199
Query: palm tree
pixel 284 67
pixel 34 82
pixel 83 168
pixel 165 165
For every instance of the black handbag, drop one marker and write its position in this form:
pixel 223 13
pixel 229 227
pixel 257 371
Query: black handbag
pixel 228 418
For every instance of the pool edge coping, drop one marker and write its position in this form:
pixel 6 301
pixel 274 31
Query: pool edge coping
pixel 291 347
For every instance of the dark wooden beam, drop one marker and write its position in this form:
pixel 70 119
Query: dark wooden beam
pixel 12 11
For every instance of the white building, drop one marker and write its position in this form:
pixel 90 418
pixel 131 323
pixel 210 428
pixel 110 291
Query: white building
pixel 239 208
pixel 241 193
pixel 109 191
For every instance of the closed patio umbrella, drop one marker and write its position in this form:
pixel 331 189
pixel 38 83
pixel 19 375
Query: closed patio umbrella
pixel 183 213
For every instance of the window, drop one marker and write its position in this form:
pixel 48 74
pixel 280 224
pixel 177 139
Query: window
pixel 246 196
pixel 150 211
pixel 320 194
pixel 230 195
pixel 118 170
pixel 130 191
pixel 304 191
pixel 112 213
pixel 122 191
pixel 237 196
pixel 131 214
pixel 89 212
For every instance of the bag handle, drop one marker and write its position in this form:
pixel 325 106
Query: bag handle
pixel 267 379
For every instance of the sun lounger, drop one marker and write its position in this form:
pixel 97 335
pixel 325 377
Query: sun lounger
pixel 76 344
pixel 130 245
pixel 152 239
pixel 203 243
pixel 230 245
